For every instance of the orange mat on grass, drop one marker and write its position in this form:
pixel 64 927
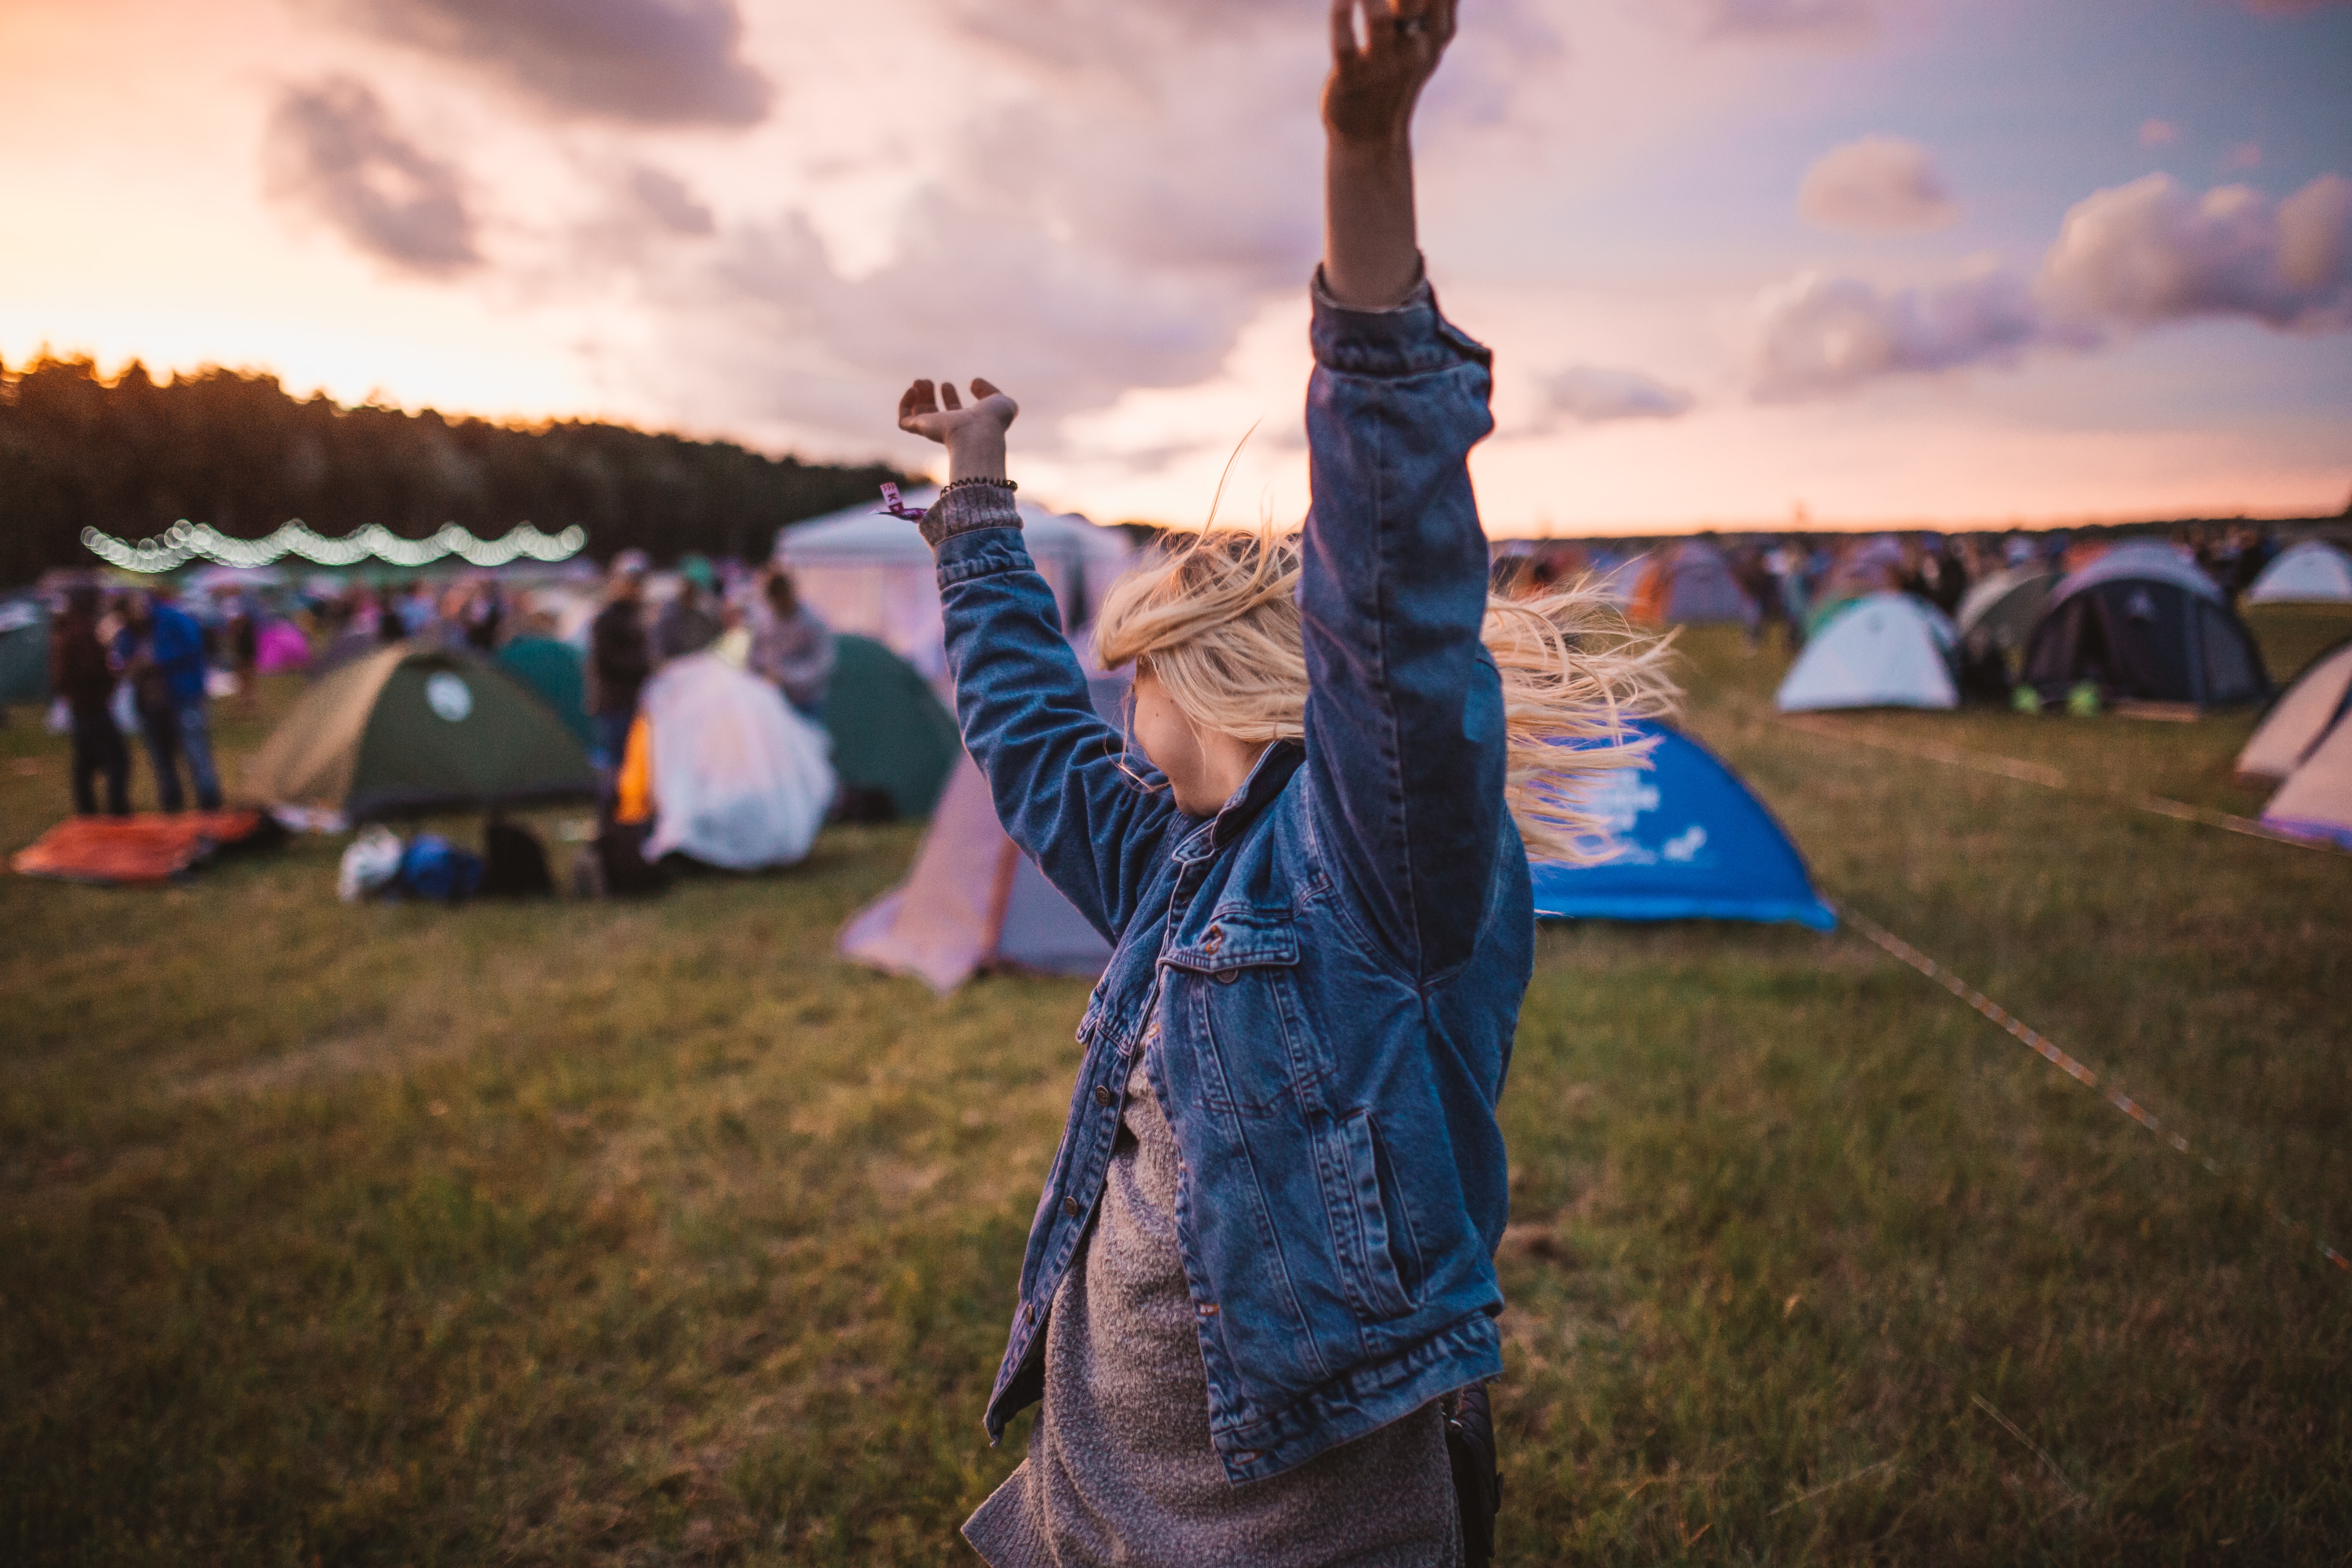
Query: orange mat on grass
pixel 151 847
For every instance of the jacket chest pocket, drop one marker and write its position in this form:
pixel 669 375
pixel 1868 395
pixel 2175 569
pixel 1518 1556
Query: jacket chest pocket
pixel 1236 983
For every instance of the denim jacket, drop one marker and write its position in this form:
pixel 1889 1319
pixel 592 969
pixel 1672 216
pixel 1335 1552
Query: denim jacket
pixel 1324 977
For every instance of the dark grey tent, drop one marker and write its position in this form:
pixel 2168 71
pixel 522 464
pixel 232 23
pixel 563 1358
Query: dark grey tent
pixel 1997 619
pixel 2142 623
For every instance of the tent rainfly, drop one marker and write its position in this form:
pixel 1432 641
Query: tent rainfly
pixel 1885 650
pixel 869 573
pixel 891 736
pixel 2301 718
pixel 973 900
pixel 2312 573
pixel 412 728
pixel 2143 622
pixel 1692 843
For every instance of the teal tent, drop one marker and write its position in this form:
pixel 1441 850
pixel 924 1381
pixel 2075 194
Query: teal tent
pixel 557 673
pixel 891 736
pixel 23 652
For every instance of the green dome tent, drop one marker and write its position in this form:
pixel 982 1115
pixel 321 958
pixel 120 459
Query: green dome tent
pixel 890 735
pixel 415 728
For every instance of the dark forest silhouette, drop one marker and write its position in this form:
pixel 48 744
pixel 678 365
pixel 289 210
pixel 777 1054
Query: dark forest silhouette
pixel 233 449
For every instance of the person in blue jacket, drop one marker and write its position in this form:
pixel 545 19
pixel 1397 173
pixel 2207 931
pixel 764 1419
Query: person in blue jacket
pixel 161 650
pixel 1261 1276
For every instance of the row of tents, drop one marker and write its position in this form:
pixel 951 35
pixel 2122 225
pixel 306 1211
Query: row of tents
pixel 2142 623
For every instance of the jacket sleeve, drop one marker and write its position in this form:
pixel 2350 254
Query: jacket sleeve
pixel 1405 755
pixel 1091 817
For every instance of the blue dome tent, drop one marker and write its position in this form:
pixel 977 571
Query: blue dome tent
pixel 1695 845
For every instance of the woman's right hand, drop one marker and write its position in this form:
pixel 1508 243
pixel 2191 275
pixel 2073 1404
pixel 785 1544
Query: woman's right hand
pixel 974 436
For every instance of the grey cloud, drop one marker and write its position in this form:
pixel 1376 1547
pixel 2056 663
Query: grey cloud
pixel 2150 252
pixel 967 293
pixel 2127 258
pixel 663 198
pixel 1827 335
pixel 331 147
pixel 659 62
pixel 1590 394
pixel 1880 184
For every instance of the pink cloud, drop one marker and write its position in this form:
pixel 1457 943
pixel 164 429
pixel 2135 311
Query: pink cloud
pixel 2156 133
pixel 1880 184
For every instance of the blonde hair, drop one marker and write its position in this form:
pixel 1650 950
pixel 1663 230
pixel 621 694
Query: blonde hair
pixel 1216 620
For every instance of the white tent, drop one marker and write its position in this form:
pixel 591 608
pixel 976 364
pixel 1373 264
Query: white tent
pixel 739 780
pixel 2301 718
pixel 866 571
pixel 2316 802
pixel 1882 650
pixel 2313 572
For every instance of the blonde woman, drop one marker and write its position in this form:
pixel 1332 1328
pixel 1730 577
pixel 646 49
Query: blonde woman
pixel 1260 1286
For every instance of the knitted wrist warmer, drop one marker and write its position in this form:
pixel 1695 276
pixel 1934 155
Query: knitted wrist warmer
pixel 962 509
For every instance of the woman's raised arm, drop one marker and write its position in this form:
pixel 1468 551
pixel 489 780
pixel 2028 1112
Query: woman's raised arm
pixel 1405 745
pixel 1383 54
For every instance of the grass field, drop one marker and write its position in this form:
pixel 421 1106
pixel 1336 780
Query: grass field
pixel 640 1233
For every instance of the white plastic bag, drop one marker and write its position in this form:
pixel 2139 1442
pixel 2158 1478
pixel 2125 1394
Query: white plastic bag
pixel 60 721
pixel 370 863
pixel 123 708
pixel 739 779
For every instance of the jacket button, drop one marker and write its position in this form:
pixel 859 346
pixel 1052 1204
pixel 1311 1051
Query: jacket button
pixel 1102 1095
pixel 1227 976
pixel 1208 1308
pixel 1070 1206
pixel 1214 941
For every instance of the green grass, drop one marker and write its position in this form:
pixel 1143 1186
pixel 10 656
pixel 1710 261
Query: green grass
pixel 651 1232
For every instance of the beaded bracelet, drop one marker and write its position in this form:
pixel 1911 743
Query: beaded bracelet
pixel 953 485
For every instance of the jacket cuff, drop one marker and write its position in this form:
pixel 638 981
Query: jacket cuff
pixel 967 511
pixel 1412 338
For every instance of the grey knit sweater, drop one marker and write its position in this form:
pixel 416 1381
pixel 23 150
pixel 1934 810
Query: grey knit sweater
pixel 1121 1469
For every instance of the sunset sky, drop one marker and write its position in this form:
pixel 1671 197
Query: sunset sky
pixel 1889 260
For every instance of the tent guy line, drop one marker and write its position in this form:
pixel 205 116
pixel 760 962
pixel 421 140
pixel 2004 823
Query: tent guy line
pixel 2049 1050
pixel 2051 778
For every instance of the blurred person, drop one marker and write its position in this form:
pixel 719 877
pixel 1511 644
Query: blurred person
pixel 688 623
pixel 1310 850
pixel 389 628
pixel 620 658
pixel 241 645
pixel 161 650
pixel 82 678
pixel 791 644
pixel 484 615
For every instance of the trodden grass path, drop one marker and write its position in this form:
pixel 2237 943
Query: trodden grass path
pixel 648 1233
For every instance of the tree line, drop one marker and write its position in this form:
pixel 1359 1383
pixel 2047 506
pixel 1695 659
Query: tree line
pixel 132 456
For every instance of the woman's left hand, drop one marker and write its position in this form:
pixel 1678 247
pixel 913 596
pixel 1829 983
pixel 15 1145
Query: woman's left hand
pixel 974 436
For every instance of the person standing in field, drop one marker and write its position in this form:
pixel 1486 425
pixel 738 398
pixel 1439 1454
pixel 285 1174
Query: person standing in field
pixel 620 657
pixel 791 644
pixel 1258 1303
pixel 82 679
pixel 161 650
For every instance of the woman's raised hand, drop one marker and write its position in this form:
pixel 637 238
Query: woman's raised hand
pixel 1377 79
pixel 974 436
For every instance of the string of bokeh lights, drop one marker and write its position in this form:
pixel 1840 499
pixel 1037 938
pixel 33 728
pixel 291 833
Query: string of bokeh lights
pixel 184 541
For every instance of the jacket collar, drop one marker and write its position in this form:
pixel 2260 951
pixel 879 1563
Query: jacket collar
pixel 1267 777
